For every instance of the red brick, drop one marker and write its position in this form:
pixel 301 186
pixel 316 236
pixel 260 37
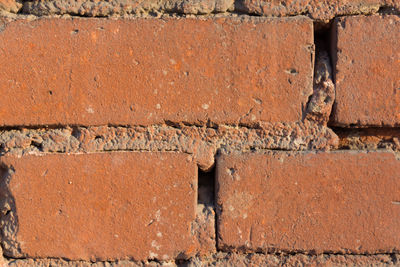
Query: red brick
pixel 317 9
pixel 147 71
pixel 309 202
pixel 367 71
pixel 101 206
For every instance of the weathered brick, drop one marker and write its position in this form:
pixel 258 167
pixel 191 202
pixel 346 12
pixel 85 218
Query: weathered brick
pixel 309 202
pixel 100 206
pixel 147 71
pixel 367 70
pixel 317 9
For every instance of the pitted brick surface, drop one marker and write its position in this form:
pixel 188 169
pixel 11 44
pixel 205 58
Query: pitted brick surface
pixel 99 72
pixel 339 202
pixel 102 206
pixel 367 71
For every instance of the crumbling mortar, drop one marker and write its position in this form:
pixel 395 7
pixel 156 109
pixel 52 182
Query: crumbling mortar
pixel 182 8
pixel 276 251
pixel 80 139
pixel 368 138
pixel 208 260
pixel 50 261
pixel 350 137
pixel 203 142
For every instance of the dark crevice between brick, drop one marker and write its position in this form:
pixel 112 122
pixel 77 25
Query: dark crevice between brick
pixel 38 145
pixel 323 38
pixel 207 194
pixel 395 259
pixel 4 210
pixel 20 10
pixel 8 214
pixel 319 105
pixel 293 252
pixel 206 187
pixel 388 10
pixel 173 124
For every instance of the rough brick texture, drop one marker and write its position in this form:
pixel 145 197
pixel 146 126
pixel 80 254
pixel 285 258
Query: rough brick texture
pixel 93 72
pixel 99 206
pixel 311 202
pixel 151 133
pixel 367 70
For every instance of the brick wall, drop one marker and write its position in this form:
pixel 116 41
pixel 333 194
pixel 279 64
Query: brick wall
pixel 200 133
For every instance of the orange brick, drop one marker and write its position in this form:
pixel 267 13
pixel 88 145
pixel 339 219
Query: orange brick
pixel 102 206
pixel 148 71
pixel 342 202
pixel 367 71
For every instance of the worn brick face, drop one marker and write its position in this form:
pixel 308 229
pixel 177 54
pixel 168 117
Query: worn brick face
pixel 102 206
pixel 310 202
pixel 367 70
pixel 146 71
